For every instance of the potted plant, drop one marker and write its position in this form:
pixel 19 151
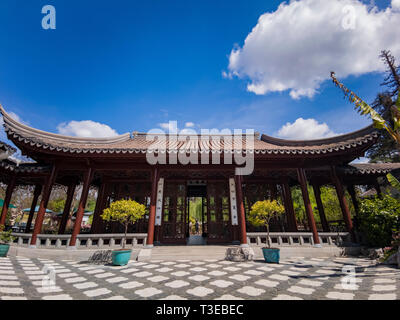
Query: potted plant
pixel 5 239
pixel 261 214
pixel 125 212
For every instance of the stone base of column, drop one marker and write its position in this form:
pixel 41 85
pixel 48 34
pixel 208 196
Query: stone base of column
pixel 317 245
pixel 72 248
pixel 244 245
pixel 149 246
pixel 32 246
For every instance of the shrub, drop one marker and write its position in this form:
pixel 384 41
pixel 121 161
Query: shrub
pixel 379 220
pixel 125 212
pixel 262 212
pixel 5 236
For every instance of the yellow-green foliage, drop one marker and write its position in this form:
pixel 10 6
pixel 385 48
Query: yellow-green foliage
pixel 262 212
pixel 124 212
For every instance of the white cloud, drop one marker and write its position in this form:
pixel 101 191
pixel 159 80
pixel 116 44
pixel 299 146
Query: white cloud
pixel 86 129
pixel 17 118
pixel 305 129
pixel 396 4
pixel 296 47
pixel 172 127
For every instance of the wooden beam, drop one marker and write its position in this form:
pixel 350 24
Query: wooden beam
pixel 67 208
pixel 7 199
pixel 81 207
pixel 43 204
pixel 307 204
pixel 288 202
pixel 241 212
pixel 152 213
pixel 320 206
pixel 36 195
pixel 343 203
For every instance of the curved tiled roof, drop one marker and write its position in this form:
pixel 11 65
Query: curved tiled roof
pixel 23 168
pixel 144 143
pixel 6 147
pixel 371 168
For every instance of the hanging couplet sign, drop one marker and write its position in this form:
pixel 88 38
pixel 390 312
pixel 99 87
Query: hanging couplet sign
pixel 232 193
pixel 159 204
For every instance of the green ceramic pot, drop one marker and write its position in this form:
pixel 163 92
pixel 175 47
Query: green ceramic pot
pixel 271 255
pixel 4 250
pixel 121 257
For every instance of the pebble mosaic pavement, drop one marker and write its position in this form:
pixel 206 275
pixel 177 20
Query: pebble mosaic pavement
pixel 293 279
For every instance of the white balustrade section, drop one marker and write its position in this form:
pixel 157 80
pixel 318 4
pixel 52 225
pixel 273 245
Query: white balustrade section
pixel 89 241
pixel 92 241
pixel 282 239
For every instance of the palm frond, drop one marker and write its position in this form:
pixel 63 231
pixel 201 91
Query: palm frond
pixel 365 109
pixel 393 181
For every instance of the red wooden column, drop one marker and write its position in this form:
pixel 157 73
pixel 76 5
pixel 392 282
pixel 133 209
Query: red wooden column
pixel 36 195
pixel 320 206
pixel 288 201
pixel 152 213
pixel 241 212
pixel 7 200
pixel 81 208
pixel 352 191
pixel 43 204
pixel 67 208
pixel 307 204
pixel 99 209
pixel 343 203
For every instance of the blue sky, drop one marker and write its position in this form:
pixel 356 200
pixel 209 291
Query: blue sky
pixel 135 64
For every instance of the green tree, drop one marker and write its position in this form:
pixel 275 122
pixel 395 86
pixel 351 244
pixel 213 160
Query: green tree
pixel 386 148
pixel 125 212
pixel 329 199
pixel 380 219
pixel 56 205
pixel 262 212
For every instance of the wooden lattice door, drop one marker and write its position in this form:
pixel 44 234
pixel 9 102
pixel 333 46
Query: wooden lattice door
pixel 174 213
pixel 219 226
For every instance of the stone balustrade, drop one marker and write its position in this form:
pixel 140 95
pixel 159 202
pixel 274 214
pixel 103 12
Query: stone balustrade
pixel 90 241
pixel 297 238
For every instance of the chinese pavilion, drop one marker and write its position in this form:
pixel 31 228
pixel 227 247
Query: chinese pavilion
pixel 117 167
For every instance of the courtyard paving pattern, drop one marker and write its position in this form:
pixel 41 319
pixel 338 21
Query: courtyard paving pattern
pixel 299 278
